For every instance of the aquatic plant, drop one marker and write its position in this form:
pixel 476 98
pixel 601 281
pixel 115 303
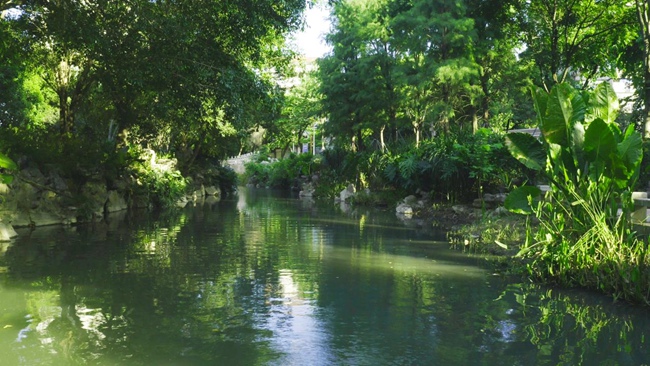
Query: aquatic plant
pixel 585 236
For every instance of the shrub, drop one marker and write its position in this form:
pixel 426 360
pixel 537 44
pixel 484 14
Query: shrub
pixel 455 167
pixel 591 167
pixel 284 173
pixel 162 184
pixel 226 178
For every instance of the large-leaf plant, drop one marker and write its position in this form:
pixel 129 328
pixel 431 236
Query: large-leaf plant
pixel 589 164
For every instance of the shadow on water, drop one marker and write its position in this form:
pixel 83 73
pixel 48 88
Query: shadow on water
pixel 265 280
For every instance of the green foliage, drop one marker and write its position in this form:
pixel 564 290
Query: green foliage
pixel 7 164
pixel 600 32
pixel 285 173
pixel 161 184
pixel 83 82
pixel 257 172
pixel 163 188
pixel 497 235
pixel 300 113
pixel 591 167
pixel 451 168
pixel 226 179
pixel 456 168
pixel 527 149
pixel 523 200
pixel 643 182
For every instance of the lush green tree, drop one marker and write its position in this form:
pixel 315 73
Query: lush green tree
pixel 179 76
pixel 341 81
pixel 12 105
pixel 300 111
pixel 379 95
pixel 502 78
pixel 438 73
pixel 575 39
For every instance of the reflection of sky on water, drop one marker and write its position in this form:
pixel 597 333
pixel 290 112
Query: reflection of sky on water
pixel 297 332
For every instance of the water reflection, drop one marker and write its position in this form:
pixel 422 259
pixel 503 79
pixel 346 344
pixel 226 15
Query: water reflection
pixel 262 280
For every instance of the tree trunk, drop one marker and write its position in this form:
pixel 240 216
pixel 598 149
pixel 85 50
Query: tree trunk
pixel 195 154
pixel 646 101
pixel 474 121
pixel 643 11
pixel 65 116
pixel 360 145
pixel 485 101
pixel 416 130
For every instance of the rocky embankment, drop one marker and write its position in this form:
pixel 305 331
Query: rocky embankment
pixel 420 206
pixel 40 197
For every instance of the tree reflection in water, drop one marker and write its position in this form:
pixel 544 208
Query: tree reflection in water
pixel 271 281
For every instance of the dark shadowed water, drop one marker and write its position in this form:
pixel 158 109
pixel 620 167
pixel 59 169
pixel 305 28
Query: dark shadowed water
pixel 270 280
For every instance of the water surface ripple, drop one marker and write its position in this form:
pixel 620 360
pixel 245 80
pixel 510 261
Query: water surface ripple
pixel 265 279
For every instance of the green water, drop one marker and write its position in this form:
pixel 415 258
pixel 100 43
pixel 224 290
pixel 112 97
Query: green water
pixel 266 280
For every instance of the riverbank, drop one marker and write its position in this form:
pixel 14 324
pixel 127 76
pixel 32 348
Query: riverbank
pixel 44 195
pixel 503 239
pixel 493 230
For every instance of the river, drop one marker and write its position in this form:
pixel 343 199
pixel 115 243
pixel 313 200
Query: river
pixel 266 279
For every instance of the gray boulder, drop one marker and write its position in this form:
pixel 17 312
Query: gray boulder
pixel 404 209
pixel 500 211
pixel 212 191
pixel 45 218
pixel 345 194
pixel 410 200
pixel 115 202
pixel 96 196
pixel 198 193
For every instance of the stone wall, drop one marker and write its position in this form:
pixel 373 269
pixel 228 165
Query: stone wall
pixel 35 198
pixel 38 198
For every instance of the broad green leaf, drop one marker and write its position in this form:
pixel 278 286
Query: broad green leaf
pixel 7 163
pixel 6 178
pixel 578 106
pixel 569 162
pixel 600 142
pixel 520 200
pixel 527 149
pixel 557 163
pixel 558 117
pixel 603 103
pixel 540 99
pixel 630 150
pixel 578 144
pixel 618 171
pixel 618 135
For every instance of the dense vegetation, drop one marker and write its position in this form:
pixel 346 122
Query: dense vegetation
pixel 584 236
pixel 403 73
pixel 415 96
pixel 419 94
pixel 102 80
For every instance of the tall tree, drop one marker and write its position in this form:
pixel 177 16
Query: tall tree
pixel 56 41
pixel 341 81
pixel 643 14
pixel 577 38
pixel 494 53
pixel 158 64
pixel 439 75
pixel 301 110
